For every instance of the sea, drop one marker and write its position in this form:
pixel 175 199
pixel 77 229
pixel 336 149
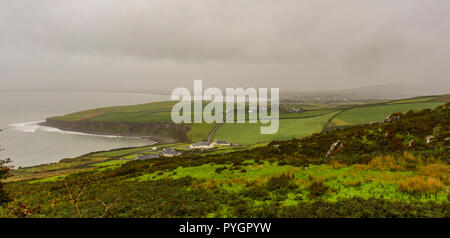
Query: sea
pixel 27 144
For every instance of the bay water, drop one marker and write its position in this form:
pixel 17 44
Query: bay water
pixel 28 144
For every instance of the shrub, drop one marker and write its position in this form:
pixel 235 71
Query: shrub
pixel 317 189
pixel 355 183
pixel 220 169
pixel 404 162
pixel 336 164
pixel 418 185
pixel 4 173
pixel 282 183
pixel 437 170
pixel 256 193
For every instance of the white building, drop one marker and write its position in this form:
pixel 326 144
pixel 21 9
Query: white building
pixel 201 145
pixel 221 143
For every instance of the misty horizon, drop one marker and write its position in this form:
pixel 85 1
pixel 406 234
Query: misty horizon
pixel 301 46
pixel 368 92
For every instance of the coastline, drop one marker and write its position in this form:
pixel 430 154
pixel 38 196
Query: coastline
pixel 75 128
pixel 40 125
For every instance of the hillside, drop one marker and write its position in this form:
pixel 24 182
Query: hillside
pixel 150 120
pixel 399 167
pixel 153 120
pixel 315 118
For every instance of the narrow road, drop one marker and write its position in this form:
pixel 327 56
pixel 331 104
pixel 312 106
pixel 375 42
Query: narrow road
pixel 211 133
pixel 324 128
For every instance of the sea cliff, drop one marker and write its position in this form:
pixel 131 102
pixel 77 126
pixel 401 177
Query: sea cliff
pixel 164 132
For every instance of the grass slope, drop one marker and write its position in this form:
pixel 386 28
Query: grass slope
pixel 377 173
pixel 249 133
pixel 156 112
pixel 369 114
pixel 292 125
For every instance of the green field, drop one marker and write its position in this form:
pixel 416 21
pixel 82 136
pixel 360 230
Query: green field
pixel 200 132
pixel 299 125
pixel 156 112
pixel 110 113
pixel 292 125
pixel 121 152
pixel 378 113
pixel 312 113
pixel 249 133
pixel 413 100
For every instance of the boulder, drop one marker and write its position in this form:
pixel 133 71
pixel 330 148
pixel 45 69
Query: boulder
pixel 335 147
pixel 429 138
pixel 410 143
pixel 393 117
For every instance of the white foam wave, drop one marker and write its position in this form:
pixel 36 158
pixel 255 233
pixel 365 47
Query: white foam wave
pixel 50 129
pixel 87 134
pixel 33 126
pixel 26 126
pixel 25 123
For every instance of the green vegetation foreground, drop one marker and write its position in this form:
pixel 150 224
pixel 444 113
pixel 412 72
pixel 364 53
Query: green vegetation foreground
pixel 399 167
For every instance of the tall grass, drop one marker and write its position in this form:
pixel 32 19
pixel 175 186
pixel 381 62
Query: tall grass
pixel 419 185
pixel 404 162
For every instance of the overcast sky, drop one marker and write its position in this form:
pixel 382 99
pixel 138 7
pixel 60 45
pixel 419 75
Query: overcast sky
pixel 162 44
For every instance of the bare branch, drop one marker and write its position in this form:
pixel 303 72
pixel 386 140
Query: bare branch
pixel 107 206
pixel 75 201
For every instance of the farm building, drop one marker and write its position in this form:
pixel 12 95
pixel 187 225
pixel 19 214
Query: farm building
pixel 170 152
pixel 201 145
pixel 147 156
pixel 221 143
pixel 294 110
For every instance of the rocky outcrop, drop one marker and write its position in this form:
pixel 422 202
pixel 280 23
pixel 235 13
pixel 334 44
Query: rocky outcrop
pixel 393 117
pixel 411 143
pixel 335 148
pixel 429 138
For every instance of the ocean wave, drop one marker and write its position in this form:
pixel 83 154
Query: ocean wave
pixel 50 129
pixel 33 126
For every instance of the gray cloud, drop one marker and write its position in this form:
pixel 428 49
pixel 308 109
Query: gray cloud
pixel 302 45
